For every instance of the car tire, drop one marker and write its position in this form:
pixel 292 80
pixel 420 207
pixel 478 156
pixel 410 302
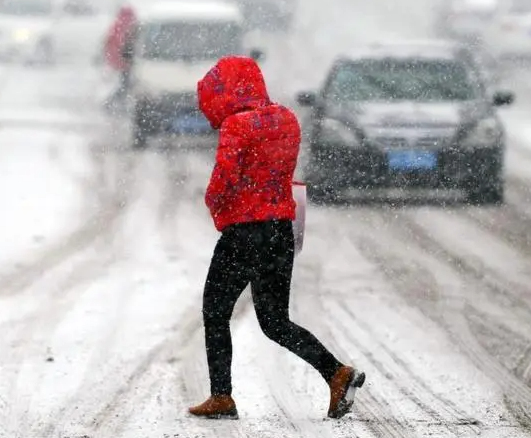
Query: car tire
pixel 321 193
pixel 489 191
pixel 316 195
pixel 139 137
pixel 142 127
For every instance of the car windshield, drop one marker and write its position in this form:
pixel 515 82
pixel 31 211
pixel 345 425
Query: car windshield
pixel 189 41
pixel 396 80
pixel 520 6
pixel 26 7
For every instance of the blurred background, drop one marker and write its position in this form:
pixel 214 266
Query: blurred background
pixel 417 254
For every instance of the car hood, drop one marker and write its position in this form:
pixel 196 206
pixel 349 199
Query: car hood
pixel 409 115
pixel 8 25
pixel 169 77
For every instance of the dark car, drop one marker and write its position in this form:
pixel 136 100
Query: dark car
pixel 412 114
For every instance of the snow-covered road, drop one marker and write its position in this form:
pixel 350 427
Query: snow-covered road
pixel 103 253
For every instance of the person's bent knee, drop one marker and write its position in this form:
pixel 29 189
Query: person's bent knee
pixel 276 331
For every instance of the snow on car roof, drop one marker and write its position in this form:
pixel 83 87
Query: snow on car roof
pixel 475 4
pixel 426 49
pixel 192 10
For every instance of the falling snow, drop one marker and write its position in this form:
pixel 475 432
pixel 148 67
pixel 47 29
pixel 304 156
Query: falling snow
pixel 416 264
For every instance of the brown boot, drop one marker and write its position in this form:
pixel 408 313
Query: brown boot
pixel 216 407
pixel 344 379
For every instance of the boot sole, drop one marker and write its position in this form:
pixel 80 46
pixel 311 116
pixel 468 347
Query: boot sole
pixel 231 415
pixel 346 403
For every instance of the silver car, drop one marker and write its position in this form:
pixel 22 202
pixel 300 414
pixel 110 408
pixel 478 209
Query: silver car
pixel 406 115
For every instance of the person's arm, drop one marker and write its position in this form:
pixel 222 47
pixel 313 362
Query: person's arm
pixel 226 175
pixel 128 49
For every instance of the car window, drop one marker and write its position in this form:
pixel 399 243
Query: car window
pixel 520 6
pixel 395 80
pixel 188 41
pixel 26 7
pixel 474 5
pixel 79 8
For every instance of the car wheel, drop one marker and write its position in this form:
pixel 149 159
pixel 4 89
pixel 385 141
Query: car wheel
pixel 321 192
pixel 489 191
pixel 143 126
pixel 139 137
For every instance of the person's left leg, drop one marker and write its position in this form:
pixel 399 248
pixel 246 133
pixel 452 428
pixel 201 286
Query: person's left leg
pixel 271 295
pixel 224 284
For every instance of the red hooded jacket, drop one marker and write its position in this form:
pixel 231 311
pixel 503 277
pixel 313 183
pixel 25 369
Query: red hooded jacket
pixel 258 146
pixel 119 34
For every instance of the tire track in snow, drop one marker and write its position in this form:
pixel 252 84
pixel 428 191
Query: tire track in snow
pixel 424 248
pixel 188 173
pixel 524 367
pixel 511 221
pixel 135 191
pixel 503 269
pixel 493 336
pixel 122 403
pixel 436 411
pixel 79 268
pixel 109 207
pixel 102 262
pixel 383 419
pixel 412 385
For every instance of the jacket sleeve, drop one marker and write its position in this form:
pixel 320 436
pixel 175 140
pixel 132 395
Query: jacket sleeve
pixel 226 175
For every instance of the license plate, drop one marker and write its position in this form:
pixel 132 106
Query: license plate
pixel 190 124
pixel 412 160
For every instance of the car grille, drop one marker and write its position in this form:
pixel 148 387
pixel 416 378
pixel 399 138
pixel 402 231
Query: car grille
pixel 391 143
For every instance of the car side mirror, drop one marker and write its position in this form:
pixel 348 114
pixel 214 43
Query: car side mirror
pixel 257 55
pixel 502 98
pixel 306 98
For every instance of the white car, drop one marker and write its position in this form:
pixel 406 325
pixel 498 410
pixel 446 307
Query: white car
pixel 45 31
pixel 509 34
pixel 466 20
pixel 26 30
pixel 176 44
pixel 269 15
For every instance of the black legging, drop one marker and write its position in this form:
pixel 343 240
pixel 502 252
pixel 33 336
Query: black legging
pixel 260 253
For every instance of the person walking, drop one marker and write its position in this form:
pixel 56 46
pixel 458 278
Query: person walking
pixel 251 202
pixel 118 46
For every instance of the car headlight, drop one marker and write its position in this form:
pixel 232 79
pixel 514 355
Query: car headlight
pixel 334 131
pixel 485 133
pixel 22 35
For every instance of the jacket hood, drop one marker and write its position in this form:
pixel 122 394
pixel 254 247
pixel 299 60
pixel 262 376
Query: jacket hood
pixel 126 17
pixel 233 85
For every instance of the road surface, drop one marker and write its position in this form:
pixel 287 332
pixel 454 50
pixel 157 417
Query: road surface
pixel 104 252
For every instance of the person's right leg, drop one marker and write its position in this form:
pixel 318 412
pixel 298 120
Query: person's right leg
pixel 271 293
